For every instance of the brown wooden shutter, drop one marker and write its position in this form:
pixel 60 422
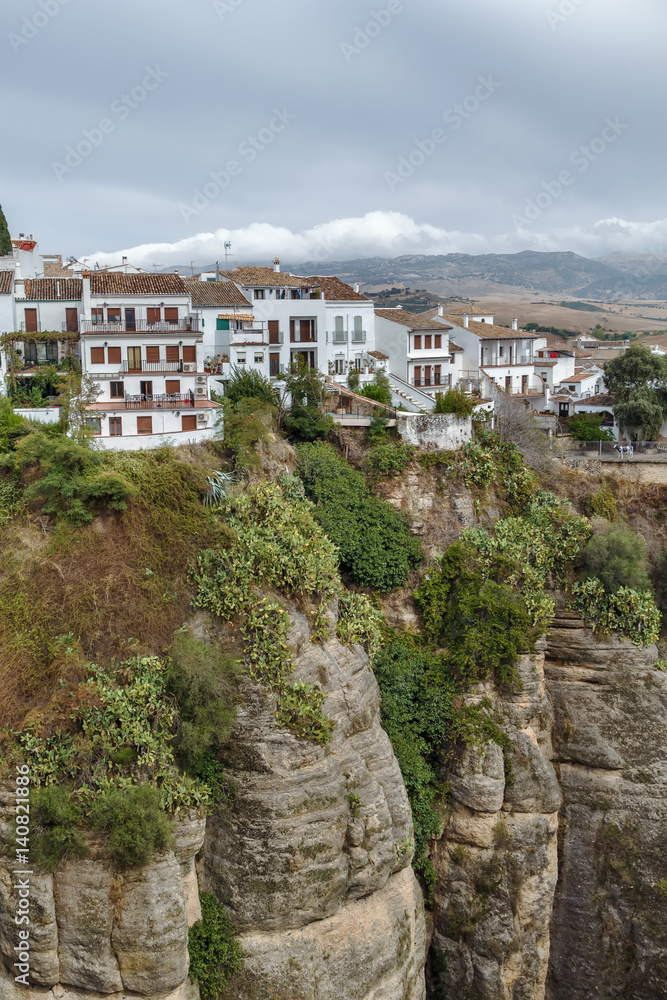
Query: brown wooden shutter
pixel 189 423
pixel 31 321
pixel 418 343
pixel 144 425
pixel 438 341
pixel 97 355
pixel 171 314
pixel 172 352
pixel 427 342
pixel 190 353
pixel 172 386
pixel 436 374
pixel 418 374
pixel 113 355
pixel 153 314
pixel 291 331
pixel 274 331
pixel 72 320
pixel 153 353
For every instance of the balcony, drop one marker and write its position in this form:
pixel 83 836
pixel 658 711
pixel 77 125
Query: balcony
pixel 189 325
pixel 251 337
pixel 152 366
pixel 276 339
pixel 500 361
pixel 358 337
pixel 339 337
pixel 154 401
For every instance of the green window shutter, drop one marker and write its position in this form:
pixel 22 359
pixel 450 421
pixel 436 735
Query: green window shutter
pixel 222 324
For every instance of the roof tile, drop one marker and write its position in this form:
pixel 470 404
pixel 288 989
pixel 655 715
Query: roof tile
pixel 108 283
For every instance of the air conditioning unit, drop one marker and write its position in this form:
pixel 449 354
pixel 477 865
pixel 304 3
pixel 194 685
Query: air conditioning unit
pixel 202 418
pixel 200 390
pixel 189 368
pixel 201 380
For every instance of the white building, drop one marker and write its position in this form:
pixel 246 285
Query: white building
pixel 419 351
pixel 231 335
pixel 143 348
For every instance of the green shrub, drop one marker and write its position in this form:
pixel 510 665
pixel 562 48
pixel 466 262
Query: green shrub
pixel 135 823
pixel 631 613
pixel 12 426
pixel 56 819
pixel 379 389
pixel 588 427
pixel 353 380
pixel 11 502
pixel 360 622
pixel 247 422
pixel 454 401
pixel 602 503
pixel 374 543
pixel 377 431
pixel 215 954
pixel 248 383
pixel 306 420
pixel 617 557
pixel 389 459
pixel 202 680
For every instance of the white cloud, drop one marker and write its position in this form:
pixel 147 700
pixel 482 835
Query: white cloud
pixel 387 234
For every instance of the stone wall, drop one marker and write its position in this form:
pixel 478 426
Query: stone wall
pixel 434 431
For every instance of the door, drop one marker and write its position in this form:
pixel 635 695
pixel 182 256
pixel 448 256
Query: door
pixel 134 359
pixel 274 331
pixel 31 321
pixel 508 384
pixel 115 426
pixel 274 364
pixel 563 409
pixel 524 383
pixel 72 320
pixel 427 374
pixel 130 321
pixel 146 390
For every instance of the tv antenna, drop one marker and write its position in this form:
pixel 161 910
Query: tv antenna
pixel 228 250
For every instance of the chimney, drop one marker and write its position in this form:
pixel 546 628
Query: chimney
pixel 441 309
pixel 515 324
pixel 276 265
pixel 465 321
pixel 356 287
pixel 217 270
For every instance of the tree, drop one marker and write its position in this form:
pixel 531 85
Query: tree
pixel 379 389
pixel 514 424
pixel 5 238
pixel 617 557
pixel 76 394
pixel 638 381
pixel 246 383
pixel 306 419
pixel 588 427
pixel 454 401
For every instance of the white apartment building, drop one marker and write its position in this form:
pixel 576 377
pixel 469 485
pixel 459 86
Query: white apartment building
pixel 420 353
pixel 232 337
pixel 143 348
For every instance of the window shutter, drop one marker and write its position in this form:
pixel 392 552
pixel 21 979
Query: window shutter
pixel 171 314
pixel 222 324
pixel 189 423
pixel 152 353
pixel 113 355
pixel 153 314
pixel 190 353
pixel 418 342
pixel 172 352
pixel 144 425
pixel 172 386
pixel 97 355
pixel 31 321
pixel 438 341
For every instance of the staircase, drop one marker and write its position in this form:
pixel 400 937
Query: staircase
pixel 408 396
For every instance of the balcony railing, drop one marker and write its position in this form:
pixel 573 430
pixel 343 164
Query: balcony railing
pixel 152 366
pixel 339 337
pixel 497 360
pixel 358 336
pixel 253 336
pixel 188 325
pixel 276 338
pixel 153 401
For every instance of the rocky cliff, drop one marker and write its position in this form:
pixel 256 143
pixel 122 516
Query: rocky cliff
pixel 312 859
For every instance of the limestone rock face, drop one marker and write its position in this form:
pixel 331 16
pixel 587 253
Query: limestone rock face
pixel 496 863
pixel 95 931
pixel 609 930
pixel 317 838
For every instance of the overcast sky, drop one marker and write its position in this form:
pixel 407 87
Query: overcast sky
pixel 314 130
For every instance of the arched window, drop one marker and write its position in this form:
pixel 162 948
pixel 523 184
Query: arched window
pixel 339 330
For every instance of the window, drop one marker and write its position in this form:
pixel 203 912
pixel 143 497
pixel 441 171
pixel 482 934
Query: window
pixel 259 293
pixel 173 352
pixel 438 341
pixel 172 386
pixel 153 314
pixel 171 314
pixel 339 330
pixel 94 424
pixel 259 359
pixel 114 314
pixel 97 355
pixel 113 355
pixel 31 321
pixel 72 320
pixel 572 388
pixel 190 353
pixel 134 359
pixel 221 324
pixel 115 427
pixel 295 293
pixel 418 375
pixel 152 353
pixel 418 342
pixel 117 390
pixel 437 369
pixel 339 366
pixel 358 335
pixel 30 352
pixel 427 342
pixel 189 422
pixel 97 316
pixel 240 359
pixel 144 425
pixel 146 389
pixel 501 351
pixel 274 364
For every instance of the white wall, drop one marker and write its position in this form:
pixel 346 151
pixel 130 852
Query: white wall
pixel 434 431
pixel 42 414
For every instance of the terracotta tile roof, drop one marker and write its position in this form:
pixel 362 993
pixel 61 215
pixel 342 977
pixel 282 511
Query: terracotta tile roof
pixel 267 276
pixel 602 399
pixel 378 355
pixel 454 347
pixel 6 282
pixel 336 290
pixel 413 321
pixel 489 331
pixel 53 289
pixel 108 283
pixel 580 377
pixel 215 293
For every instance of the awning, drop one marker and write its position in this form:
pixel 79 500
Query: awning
pixel 242 317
